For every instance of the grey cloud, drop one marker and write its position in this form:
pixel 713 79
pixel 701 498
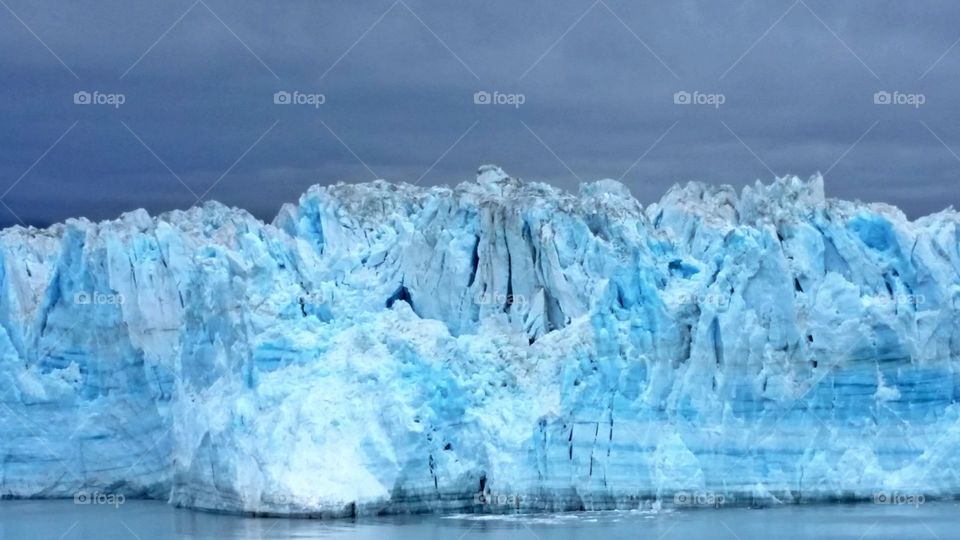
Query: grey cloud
pixel 598 97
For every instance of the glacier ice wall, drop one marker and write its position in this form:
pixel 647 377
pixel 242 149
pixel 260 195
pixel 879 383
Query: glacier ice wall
pixel 388 348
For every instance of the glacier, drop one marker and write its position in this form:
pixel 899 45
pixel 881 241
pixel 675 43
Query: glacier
pixel 498 346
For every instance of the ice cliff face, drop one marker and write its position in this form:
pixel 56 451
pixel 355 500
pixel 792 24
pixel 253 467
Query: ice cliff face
pixel 389 348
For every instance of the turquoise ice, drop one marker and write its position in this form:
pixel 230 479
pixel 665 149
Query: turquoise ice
pixel 503 344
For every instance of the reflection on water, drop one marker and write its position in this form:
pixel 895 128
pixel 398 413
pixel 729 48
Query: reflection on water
pixel 149 520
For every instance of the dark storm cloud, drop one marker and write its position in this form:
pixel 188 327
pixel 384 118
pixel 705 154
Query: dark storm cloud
pixel 598 80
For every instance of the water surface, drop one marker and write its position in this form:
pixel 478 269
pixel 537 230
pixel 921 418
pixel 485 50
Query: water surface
pixel 149 520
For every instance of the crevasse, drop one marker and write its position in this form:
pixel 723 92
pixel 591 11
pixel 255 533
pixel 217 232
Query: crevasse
pixel 387 348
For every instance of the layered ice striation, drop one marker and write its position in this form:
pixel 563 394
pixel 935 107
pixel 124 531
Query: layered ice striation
pixel 388 348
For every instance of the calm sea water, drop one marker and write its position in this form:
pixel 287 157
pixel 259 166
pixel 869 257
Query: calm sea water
pixel 143 520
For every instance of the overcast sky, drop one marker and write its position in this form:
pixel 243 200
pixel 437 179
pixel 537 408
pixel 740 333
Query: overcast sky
pixel 778 87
